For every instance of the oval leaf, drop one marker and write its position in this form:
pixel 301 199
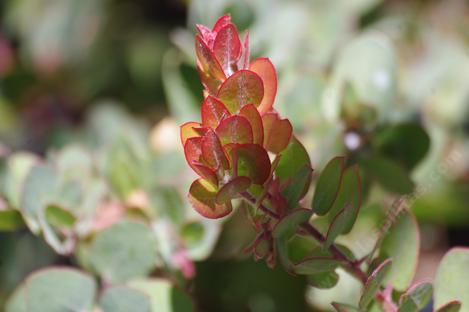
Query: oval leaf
pixel 213 111
pixel 123 299
pixel 252 115
pixel 253 161
pixel 235 129
pixel 202 196
pixel 374 282
pixel 315 265
pixel 227 47
pixel 328 185
pixel 212 151
pixel 266 70
pixel 232 188
pixel 242 88
pixel 452 276
pixel 277 132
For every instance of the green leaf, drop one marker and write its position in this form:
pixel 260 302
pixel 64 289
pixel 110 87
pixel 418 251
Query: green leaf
pixel 123 299
pixel 290 224
pixel 292 159
pixel 54 289
pixel 295 190
pixel 452 306
pixel 17 301
pixel 39 190
pixel 342 307
pixel 338 225
pixel 402 243
pixel 349 195
pixel 323 280
pixel 416 298
pixel 374 282
pixel 315 265
pixel 327 187
pixel 452 276
pixel 123 251
pixel 164 297
pixel 406 142
pixel 389 174
pixel 10 220
pixel 232 189
pixel 59 217
pixel 17 168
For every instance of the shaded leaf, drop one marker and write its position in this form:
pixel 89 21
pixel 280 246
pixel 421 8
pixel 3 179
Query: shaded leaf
pixel 416 298
pixel 202 196
pixel 349 195
pixel 212 151
pixel 292 160
pixel 253 161
pixel 402 243
pixel 277 132
pixel 328 185
pixel 59 217
pixel 342 307
pixel 251 113
pixel 123 299
pixel 452 276
pixel 231 189
pixel 388 174
pixel 207 61
pixel 187 131
pixel 291 223
pixel 10 220
pixel 295 190
pixel 123 251
pixel 374 282
pixel 315 265
pixel 324 280
pixel 452 306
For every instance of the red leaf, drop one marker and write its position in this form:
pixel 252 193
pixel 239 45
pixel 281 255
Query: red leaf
pixel 205 172
pixel 252 115
pixel 221 22
pixel 232 188
pixel 206 34
pixel 266 70
pixel 227 48
pixel 188 131
pixel 235 129
pixel 212 151
pixel 245 64
pixel 253 161
pixel 213 112
pixel 202 197
pixel 207 61
pixel 277 132
pixel 241 88
pixel 193 150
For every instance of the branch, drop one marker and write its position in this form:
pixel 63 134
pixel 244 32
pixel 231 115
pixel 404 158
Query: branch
pixel 351 266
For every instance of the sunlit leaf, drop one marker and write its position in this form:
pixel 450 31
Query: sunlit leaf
pixel 242 88
pixel 207 61
pixel 213 111
pixel 59 217
pixel 235 129
pixel 212 151
pixel 188 131
pixel 452 306
pixel 266 70
pixel 227 47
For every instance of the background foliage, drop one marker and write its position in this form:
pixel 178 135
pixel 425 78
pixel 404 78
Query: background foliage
pixel 93 179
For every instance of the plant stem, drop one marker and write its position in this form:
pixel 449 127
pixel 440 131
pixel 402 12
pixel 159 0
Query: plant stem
pixel 351 266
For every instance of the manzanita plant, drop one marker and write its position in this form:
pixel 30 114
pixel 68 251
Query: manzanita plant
pixel 243 150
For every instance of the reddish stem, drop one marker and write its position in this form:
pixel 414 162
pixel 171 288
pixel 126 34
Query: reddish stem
pixel 351 266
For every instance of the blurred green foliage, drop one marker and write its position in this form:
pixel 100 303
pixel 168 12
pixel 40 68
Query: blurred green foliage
pixel 82 83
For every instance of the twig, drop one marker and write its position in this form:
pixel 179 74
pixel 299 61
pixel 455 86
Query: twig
pixel 351 266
